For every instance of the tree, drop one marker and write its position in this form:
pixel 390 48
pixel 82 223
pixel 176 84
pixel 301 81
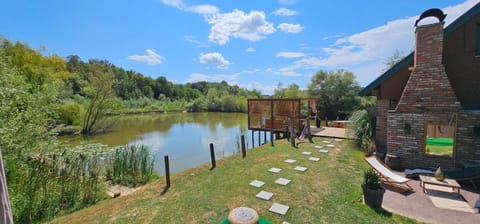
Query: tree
pixel 336 92
pixel 393 60
pixel 100 94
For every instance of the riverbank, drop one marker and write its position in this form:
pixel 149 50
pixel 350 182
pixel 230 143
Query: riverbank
pixel 327 192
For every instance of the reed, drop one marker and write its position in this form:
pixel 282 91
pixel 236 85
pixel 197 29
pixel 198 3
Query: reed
pixel 130 165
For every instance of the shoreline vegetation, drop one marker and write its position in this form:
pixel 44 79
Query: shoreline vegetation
pixel 328 192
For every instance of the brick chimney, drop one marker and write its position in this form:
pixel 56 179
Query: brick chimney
pixel 428 89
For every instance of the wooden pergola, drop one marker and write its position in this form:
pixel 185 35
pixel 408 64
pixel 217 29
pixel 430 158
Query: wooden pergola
pixel 278 115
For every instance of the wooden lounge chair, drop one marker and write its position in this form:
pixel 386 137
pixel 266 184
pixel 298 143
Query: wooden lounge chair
pixel 396 181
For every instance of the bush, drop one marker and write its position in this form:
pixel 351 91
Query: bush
pixel 363 128
pixel 371 180
pixel 71 113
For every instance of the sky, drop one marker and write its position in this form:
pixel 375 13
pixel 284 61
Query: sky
pixel 252 44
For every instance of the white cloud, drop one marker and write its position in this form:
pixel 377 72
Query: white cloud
pixel 290 28
pixel 193 40
pixel 287 2
pixel 214 58
pixel 285 12
pixel 372 47
pixel 254 85
pixel 196 77
pixel 174 3
pixel 151 57
pixel 203 9
pixel 250 50
pixel 289 54
pixel 252 26
pixel 199 9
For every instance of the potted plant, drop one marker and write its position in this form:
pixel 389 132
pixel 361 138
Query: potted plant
pixel 372 190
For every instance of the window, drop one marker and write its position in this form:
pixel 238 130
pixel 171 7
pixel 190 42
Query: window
pixel 439 140
pixel 477 41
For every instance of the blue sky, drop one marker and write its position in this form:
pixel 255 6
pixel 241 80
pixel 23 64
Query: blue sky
pixel 254 44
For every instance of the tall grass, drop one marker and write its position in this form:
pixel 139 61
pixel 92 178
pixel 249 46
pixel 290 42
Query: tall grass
pixel 130 165
pixel 44 185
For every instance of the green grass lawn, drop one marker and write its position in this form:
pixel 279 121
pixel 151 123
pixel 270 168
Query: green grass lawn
pixel 328 192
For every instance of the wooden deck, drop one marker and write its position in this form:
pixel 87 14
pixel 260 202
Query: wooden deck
pixel 329 132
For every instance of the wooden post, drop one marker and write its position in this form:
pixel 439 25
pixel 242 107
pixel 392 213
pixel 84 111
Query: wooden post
pixel 292 133
pixel 212 156
pixel 167 172
pixel 287 133
pixel 309 133
pixel 271 138
pixel 253 139
pixel 259 136
pixel 244 150
pixel 264 137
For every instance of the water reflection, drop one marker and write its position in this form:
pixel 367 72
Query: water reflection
pixel 184 137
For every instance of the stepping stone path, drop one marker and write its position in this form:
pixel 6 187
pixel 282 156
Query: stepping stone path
pixel 275 170
pixel 290 161
pixel 265 195
pixel 257 183
pixel 282 181
pixel 300 168
pixel 279 209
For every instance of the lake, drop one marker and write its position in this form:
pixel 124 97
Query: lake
pixel 184 137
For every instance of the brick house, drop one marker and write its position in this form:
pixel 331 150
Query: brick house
pixel 433 94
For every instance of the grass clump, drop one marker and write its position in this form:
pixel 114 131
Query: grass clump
pixel 130 165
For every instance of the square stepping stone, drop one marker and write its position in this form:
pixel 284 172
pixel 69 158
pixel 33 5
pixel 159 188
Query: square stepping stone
pixel 275 170
pixel 315 159
pixel 330 145
pixel 282 181
pixel 323 151
pixel 327 142
pixel 257 183
pixel 265 195
pixel 290 160
pixel 300 168
pixel 285 222
pixel 307 153
pixel 338 140
pixel 279 208
pixel 319 147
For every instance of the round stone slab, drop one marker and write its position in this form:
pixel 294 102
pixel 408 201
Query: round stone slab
pixel 243 215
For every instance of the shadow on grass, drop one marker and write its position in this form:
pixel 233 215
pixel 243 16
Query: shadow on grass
pixel 382 212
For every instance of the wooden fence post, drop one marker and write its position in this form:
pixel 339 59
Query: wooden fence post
pixel 244 150
pixel 167 171
pixel 212 156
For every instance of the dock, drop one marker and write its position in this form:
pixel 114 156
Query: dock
pixel 330 132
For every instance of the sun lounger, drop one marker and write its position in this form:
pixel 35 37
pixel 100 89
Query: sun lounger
pixel 388 175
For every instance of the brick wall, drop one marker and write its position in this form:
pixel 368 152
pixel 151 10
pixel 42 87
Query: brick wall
pixel 429 98
pixel 381 125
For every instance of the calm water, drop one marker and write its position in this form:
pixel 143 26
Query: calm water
pixel 184 137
